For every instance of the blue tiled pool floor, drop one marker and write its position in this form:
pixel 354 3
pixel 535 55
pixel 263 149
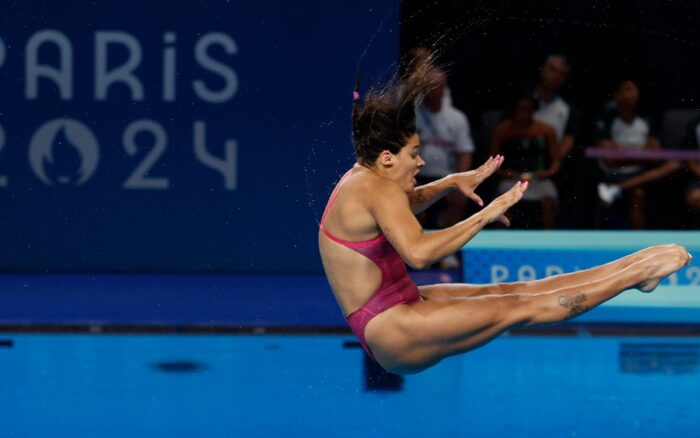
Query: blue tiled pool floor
pixel 314 386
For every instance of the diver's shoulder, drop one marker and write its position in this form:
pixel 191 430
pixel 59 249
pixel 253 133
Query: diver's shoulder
pixel 373 186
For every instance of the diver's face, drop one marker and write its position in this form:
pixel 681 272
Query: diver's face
pixel 408 163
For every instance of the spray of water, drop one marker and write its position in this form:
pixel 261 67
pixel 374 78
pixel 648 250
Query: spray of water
pixel 445 35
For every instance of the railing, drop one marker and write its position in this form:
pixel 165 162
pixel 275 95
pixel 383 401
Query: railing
pixel 663 154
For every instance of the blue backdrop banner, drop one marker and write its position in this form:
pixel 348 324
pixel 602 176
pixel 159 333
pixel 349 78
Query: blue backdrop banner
pixel 178 136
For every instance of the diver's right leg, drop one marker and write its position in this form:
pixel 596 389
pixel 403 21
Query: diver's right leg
pixel 411 338
pixel 448 290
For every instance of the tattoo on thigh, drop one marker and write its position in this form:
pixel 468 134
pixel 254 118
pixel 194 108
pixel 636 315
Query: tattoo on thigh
pixel 575 304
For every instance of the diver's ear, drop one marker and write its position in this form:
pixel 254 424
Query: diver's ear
pixel 386 158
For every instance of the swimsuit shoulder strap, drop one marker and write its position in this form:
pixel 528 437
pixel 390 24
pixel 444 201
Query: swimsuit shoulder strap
pixel 333 196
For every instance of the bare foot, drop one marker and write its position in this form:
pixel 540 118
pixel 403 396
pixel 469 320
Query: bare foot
pixel 651 250
pixel 647 252
pixel 662 264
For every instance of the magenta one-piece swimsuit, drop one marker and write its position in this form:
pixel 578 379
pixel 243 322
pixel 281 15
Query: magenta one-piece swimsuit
pixel 396 286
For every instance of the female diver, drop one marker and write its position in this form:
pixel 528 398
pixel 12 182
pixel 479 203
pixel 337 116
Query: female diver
pixel 369 232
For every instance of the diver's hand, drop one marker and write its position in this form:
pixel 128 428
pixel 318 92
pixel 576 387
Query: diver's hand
pixel 467 182
pixel 496 209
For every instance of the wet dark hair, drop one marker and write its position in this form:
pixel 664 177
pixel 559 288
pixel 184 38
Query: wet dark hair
pixel 387 117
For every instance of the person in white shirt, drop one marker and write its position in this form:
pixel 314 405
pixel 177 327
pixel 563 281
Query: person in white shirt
pixel 446 146
pixel 564 118
pixel 625 179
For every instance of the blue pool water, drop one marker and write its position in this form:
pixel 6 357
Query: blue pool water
pixel 234 385
pixel 315 386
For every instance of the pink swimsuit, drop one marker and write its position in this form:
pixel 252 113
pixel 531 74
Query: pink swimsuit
pixel 396 286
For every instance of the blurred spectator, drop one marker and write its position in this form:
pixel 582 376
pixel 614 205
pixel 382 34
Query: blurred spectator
pixel 531 154
pixel 446 147
pixel 625 179
pixel 552 108
pixel 556 112
pixel 692 194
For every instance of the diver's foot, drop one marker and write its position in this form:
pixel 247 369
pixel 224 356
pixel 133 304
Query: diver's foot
pixel 663 264
pixel 652 250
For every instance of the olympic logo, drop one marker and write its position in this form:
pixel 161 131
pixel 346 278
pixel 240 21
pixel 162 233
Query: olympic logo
pixel 67 134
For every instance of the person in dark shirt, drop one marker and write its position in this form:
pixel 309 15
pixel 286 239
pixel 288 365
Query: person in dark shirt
pixel 532 155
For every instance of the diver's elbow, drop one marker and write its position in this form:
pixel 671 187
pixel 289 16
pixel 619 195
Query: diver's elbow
pixel 417 261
